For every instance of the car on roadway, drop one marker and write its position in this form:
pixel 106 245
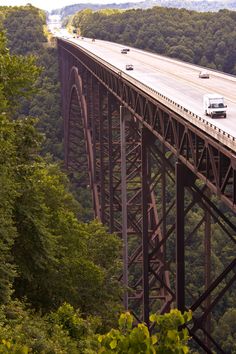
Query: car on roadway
pixel 124 51
pixel 129 67
pixel 204 74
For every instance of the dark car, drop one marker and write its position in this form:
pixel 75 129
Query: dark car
pixel 129 67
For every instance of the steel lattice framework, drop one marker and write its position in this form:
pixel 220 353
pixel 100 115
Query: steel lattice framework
pixel 159 182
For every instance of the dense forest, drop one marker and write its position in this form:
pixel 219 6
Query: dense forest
pixel 196 5
pixel 48 257
pixel 59 289
pixel 207 39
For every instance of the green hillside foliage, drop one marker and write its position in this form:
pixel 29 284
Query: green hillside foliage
pixel 167 337
pixel 23 331
pixel 25 32
pixel 25 38
pixel 45 104
pixel 48 257
pixel 207 39
pixel 196 5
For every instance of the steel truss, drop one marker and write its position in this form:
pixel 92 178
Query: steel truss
pixel 149 171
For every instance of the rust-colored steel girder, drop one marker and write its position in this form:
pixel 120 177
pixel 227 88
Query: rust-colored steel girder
pixel 160 183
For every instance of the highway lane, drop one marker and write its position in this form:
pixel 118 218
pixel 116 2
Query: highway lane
pixel 176 80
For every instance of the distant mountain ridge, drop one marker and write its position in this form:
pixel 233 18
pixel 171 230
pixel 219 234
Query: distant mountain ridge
pixel 197 5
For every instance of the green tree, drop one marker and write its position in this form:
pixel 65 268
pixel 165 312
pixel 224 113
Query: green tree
pixel 17 77
pixel 167 337
pixel 225 331
pixel 58 258
pixel 23 331
pixel 15 82
pixel 9 193
pixel 54 254
pixel 31 21
pixel 26 37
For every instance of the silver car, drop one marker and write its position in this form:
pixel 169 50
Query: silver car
pixel 204 74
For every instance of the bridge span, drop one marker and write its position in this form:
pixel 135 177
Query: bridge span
pixel 162 175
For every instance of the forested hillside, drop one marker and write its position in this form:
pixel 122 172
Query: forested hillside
pixel 26 34
pixel 196 5
pixel 48 257
pixel 206 39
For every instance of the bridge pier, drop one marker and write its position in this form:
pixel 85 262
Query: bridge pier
pixel 180 174
pixel 124 115
pixel 145 171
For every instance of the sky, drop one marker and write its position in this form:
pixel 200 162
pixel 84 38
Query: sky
pixel 56 4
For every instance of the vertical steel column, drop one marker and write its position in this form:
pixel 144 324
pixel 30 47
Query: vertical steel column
pixel 163 198
pixel 91 141
pixel 92 123
pixel 207 246
pixel 123 116
pixel 111 192
pixel 63 69
pixel 145 235
pixel 180 266
pixel 101 143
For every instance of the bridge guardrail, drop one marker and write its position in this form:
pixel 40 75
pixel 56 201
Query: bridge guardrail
pixel 212 130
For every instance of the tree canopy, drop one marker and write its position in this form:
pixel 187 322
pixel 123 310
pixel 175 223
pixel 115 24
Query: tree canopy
pixel 48 256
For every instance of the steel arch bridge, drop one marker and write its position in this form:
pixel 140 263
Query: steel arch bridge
pixel 162 184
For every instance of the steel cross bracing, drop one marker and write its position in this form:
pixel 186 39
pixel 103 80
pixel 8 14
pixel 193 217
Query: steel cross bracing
pixel 162 184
